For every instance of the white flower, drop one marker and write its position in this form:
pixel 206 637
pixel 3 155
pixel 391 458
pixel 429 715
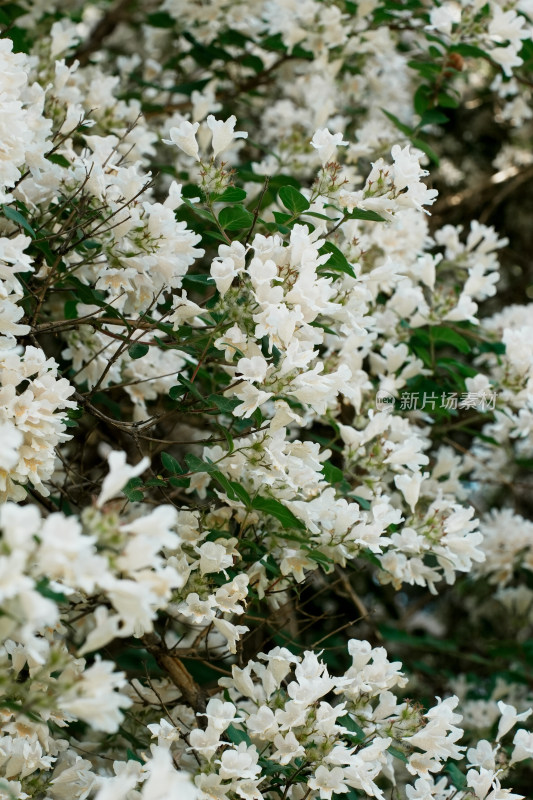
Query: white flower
pixel 119 474
pixel 213 558
pixel 326 144
pixel 251 398
pixel 231 633
pixel 443 17
pixel 93 698
pixel 221 714
pixel 480 781
pixel 252 369
pixel 482 755
pixel 523 745
pixel 165 732
pixel 287 748
pixel 509 718
pixel 507 26
pixel 165 781
pixel 326 781
pixel 240 762
pixel 409 485
pixel 223 271
pixel 11 439
pixel 223 133
pixel 184 137
pixel 406 167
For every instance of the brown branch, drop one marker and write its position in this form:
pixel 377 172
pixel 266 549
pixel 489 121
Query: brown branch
pixel 104 28
pixel 177 672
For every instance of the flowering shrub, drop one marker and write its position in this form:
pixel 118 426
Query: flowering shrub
pixel 266 404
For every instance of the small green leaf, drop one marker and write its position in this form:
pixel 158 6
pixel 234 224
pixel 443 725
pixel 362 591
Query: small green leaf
pixel 138 350
pixel 176 392
pixel 281 217
pixel 319 557
pixel 337 260
pixel 293 200
pixel 331 473
pixel 424 146
pixel 351 725
pixel 233 219
pixel 456 776
pixel 432 117
pixel 237 736
pixel 396 122
pixel 190 387
pixel 171 465
pixel 132 492
pixel 71 309
pixel 369 216
pixel 469 50
pixel 43 587
pixel 440 333
pixel 16 216
pixel 232 194
pixel 196 464
pixel 224 404
pixel 276 509
pixel 397 754
pixel 131 756
pixel 56 158
pixel 160 19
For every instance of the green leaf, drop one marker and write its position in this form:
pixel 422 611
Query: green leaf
pixel 468 50
pixel 319 557
pixel 132 756
pixel 234 490
pixel 138 350
pixel 353 727
pixel 397 753
pixel 456 776
pixel 361 501
pixel 232 194
pixel 196 464
pixel 396 122
pixel 253 62
pixel 131 490
pixel 171 465
pixel 16 216
pixel 432 117
pixel 224 404
pixel 369 216
pixel 447 101
pixel 274 42
pixel 422 99
pixel 71 309
pixel 331 473
pixel 189 385
pixel 293 200
pixel 276 509
pixel 492 347
pixel 424 146
pixel 160 19
pixel 237 736
pixel 176 392
pixel 351 794
pixel 233 219
pixel 43 587
pixel 57 158
pixel 337 260
pixel 282 217
pixel 442 334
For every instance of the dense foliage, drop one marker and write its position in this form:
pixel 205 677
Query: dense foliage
pixel 266 404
